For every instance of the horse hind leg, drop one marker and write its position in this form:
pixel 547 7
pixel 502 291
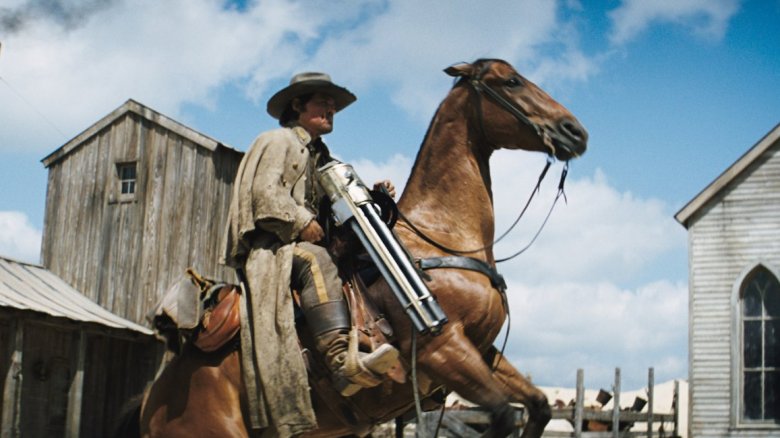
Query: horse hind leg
pixel 520 390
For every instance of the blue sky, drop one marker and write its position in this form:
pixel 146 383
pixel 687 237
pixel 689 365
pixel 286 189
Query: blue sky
pixel 671 92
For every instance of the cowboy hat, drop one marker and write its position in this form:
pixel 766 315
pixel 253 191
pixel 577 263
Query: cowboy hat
pixel 305 83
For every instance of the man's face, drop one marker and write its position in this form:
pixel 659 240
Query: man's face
pixel 316 117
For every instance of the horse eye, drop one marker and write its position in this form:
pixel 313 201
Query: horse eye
pixel 513 82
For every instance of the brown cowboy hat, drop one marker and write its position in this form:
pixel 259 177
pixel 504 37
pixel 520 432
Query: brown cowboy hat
pixel 305 83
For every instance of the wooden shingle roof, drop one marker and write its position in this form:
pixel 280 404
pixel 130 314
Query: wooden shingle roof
pixel 25 286
pixel 147 113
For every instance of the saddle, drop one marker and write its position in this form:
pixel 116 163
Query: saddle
pixel 215 323
pixel 198 311
pixel 221 320
pixel 206 314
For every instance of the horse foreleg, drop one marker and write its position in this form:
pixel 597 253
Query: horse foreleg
pixel 520 390
pixel 454 362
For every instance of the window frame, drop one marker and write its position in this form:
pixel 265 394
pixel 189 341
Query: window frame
pixel 737 351
pixel 122 196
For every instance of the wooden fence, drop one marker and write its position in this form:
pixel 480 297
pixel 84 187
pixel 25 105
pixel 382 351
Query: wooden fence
pixel 587 421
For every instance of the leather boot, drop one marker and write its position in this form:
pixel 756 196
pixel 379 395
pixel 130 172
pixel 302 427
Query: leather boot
pixel 351 369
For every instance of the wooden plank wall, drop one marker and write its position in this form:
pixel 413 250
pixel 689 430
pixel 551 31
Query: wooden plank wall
pixel 110 384
pixel 47 367
pixel 12 378
pixel 740 228
pixel 6 349
pixel 124 255
pixel 65 389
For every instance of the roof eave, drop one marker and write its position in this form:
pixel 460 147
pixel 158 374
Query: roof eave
pixel 143 111
pixel 708 193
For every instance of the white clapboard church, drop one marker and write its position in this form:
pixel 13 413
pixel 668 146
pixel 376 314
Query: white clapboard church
pixel 734 286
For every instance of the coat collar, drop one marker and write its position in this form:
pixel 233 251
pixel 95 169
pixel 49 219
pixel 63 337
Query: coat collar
pixel 303 135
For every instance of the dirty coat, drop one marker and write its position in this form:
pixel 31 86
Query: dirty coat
pixel 269 208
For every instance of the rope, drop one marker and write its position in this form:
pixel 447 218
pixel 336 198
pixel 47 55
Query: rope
pixel 33 107
pixel 561 192
pixel 415 388
pixel 453 251
pixel 505 303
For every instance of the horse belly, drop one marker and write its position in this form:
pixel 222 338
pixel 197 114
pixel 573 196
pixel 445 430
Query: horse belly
pixel 469 299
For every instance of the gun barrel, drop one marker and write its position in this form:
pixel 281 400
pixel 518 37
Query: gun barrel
pixel 352 204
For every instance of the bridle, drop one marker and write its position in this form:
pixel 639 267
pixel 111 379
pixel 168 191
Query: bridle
pixel 480 89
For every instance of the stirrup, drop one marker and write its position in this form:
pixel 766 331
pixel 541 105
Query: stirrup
pixel 364 370
pixel 380 360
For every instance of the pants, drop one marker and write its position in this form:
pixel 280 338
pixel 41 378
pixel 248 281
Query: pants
pixel 315 276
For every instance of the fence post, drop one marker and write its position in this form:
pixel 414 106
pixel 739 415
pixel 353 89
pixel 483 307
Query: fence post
pixel 580 403
pixel 650 390
pixel 676 404
pixel 616 405
pixel 399 427
pixel 519 418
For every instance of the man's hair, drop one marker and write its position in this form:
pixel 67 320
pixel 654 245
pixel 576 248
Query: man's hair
pixel 289 114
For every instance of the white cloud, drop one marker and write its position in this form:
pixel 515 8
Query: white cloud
pixel 706 18
pixel 599 234
pixel 163 54
pixel 560 326
pixel 396 169
pixel 408 44
pixel 19 239
pixel 72 63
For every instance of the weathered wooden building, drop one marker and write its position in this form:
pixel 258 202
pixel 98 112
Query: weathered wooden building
pixel 132 202
pixel 66 364
pixel 734 271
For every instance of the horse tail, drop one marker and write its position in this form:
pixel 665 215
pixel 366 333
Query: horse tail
pixel 128 424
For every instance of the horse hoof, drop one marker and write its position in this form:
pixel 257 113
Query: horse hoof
pixel 502 422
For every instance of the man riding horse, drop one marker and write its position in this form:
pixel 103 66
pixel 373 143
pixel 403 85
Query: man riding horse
pixel 447 203
pixel 272 241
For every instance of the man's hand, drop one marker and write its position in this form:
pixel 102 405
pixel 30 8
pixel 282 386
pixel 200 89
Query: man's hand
pixel 312 232
pixel 387 186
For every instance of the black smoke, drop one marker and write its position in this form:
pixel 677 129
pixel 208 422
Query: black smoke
pixel 67 14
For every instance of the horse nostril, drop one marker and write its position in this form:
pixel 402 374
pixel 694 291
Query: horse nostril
pixel 573 130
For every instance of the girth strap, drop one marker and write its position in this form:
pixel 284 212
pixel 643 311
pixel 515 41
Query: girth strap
pixel 468 263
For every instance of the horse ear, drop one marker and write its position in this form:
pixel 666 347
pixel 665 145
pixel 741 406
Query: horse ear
pixel 458 70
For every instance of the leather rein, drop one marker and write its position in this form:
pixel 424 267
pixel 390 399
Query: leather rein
pixel 458 258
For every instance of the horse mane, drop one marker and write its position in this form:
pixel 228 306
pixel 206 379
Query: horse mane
pixel 483 64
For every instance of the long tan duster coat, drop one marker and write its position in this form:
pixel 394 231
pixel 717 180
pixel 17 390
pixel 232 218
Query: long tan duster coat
pixel 267 212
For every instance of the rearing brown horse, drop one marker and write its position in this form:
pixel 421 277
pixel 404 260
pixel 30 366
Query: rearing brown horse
pixel 448 197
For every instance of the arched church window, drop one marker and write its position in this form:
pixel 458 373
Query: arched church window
pixel 760 311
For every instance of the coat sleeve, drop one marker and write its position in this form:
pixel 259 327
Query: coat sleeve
pixel 281 165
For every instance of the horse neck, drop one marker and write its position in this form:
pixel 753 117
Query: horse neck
pixel 449 190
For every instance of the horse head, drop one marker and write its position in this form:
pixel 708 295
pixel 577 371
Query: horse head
pixel 511 112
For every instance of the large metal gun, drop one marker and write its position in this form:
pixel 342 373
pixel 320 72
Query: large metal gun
pixel 352 204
